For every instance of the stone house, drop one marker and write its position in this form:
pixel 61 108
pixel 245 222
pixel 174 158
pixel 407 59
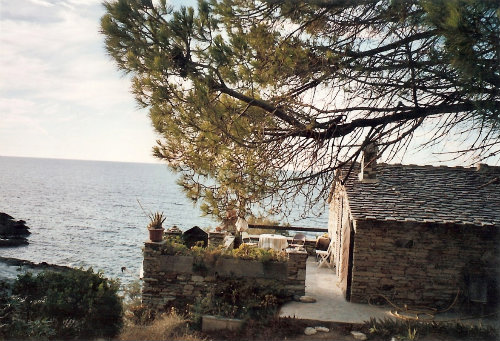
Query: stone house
pixel 416 234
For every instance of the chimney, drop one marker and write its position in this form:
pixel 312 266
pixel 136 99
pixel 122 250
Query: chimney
pixel 368 172
pixel 484 168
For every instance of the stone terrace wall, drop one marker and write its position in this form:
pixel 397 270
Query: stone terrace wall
pixel 176 281
pixel 420 264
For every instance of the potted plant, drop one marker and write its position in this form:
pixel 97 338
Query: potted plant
pixel 155 226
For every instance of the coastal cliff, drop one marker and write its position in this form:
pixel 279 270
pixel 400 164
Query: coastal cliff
pixel 13 232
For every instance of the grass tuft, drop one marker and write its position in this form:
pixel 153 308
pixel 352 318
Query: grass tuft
pixel 413 330
pixel 170 326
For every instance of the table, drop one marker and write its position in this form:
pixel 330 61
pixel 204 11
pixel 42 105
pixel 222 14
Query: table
pixel 273 241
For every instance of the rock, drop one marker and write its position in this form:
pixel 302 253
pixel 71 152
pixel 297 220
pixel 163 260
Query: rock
pixel 5 216
pixel 12 233
pixel 310 331
pixel 322 329
pixel 13 241
pixel 359 335
pixel 296 298
pixel 307 299
pixel 31 265
pixel 214 323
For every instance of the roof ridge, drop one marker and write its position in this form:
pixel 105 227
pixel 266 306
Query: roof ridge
pixel 479 168
pixel 428 166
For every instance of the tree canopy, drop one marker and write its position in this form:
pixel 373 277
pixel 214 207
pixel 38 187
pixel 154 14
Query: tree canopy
pixel 267 98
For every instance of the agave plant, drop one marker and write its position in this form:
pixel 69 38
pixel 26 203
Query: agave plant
pixel 156 220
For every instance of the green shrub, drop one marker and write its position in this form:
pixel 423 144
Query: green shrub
pixel 412 329
pixel 208 256
pixel 249 252
pixel 242 299
pixel 69 304
pixel 174 245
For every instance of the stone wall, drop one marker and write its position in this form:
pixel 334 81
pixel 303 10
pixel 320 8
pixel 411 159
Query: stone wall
pixel 216 239
pixel 421 263
pixel 178 280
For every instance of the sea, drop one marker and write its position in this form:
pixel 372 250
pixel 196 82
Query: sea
pixel 87 213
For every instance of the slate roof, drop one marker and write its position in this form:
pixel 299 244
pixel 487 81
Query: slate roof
pixel 427 194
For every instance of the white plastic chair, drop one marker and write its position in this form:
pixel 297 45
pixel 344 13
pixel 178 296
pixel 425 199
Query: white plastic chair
pixel 245 237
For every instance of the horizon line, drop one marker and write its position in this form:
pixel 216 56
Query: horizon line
pixel 73 159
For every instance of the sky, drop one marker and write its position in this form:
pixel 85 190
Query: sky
pixel 61 95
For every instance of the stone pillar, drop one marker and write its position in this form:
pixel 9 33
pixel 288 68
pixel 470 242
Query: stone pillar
pixel 150 266
pixel 215 239
pixel 296 271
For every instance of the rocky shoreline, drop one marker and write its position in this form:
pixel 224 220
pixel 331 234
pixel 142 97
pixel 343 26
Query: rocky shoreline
pixel 13 232
pixel 10 268
pixel 32 265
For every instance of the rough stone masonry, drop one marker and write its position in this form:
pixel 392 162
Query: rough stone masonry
pixel 174 280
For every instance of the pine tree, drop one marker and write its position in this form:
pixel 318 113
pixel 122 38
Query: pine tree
pixel 255 99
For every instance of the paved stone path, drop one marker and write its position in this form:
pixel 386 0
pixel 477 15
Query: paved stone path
pixel 331 305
